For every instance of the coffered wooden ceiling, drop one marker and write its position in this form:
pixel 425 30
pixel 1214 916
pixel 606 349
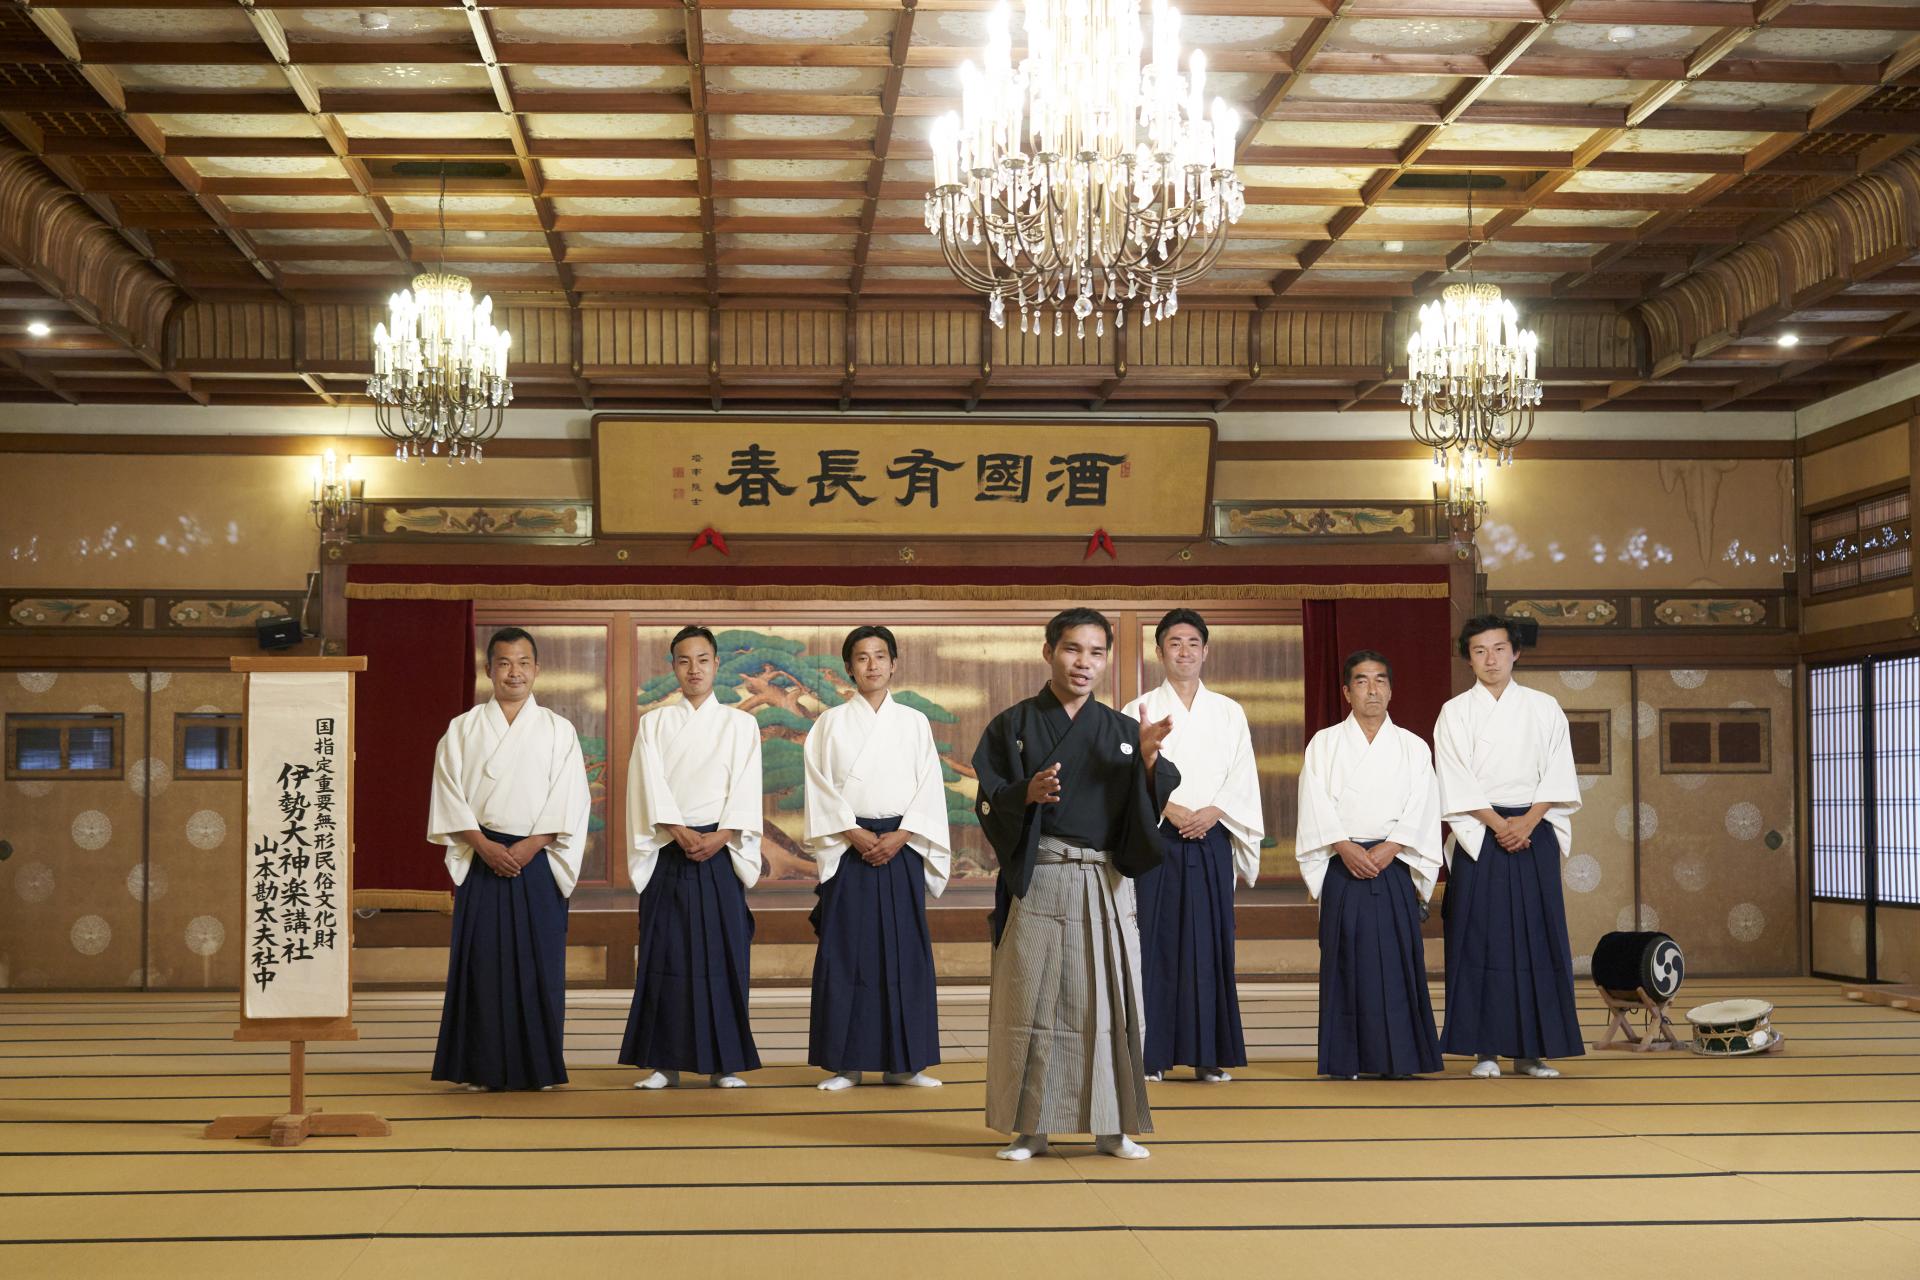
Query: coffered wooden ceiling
pixel 720 203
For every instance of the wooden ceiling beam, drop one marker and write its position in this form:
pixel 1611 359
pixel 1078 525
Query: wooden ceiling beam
pixel 273 37
pixel 1455 108
pixel 898 47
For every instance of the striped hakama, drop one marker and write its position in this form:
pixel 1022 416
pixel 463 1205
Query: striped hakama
pixel 690 994
pixel 502 1025
pixel 1376 1014
pixel 874 995
pixel 1509 965
pixel 1064 1039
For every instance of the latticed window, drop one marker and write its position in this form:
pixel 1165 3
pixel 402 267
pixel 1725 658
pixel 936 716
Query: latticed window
pixel 1861 543
pixel 81 745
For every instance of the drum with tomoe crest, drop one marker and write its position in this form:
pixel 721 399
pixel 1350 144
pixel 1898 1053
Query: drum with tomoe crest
pixel 1624 963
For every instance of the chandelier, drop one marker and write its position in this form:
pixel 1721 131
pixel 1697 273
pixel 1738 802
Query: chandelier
pixel 1472 387
pixel 1085 178
pixel 439 379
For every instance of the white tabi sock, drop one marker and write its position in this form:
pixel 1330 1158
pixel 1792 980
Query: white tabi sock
pixel 1120 1145
pixel 474 1088
pixel 1154 1078
pixel 1024 1147
pixel 1536 1068
pixel 1211 1075
pixel 845 1080
pixel 1486 1069
pixel 721 1080
pixel 659 1080
pixel 917 1079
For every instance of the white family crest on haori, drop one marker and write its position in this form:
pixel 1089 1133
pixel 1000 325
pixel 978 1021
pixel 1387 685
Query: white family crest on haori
pixel 1509 751
pixel 520 777
pixel 1355 789
pixel 864 762
pixel 693 766
pixel 1212 746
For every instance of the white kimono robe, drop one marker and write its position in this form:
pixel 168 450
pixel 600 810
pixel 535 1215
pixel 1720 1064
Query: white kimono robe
pixel 1353 789
pixel 689 768
pixel 524 778
pixel 863 763
pixel 1212 747
pixel 1513 751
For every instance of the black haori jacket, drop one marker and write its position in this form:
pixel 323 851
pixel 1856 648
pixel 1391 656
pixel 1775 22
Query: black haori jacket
pixel 1107 799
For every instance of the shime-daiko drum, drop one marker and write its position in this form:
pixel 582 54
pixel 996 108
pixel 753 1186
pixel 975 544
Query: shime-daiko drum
pixel 1733 1028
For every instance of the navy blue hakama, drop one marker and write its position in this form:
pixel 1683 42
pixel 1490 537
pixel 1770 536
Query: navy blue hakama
pixel 1376 1014
pixel 1509 966
pixel 503 1023
pixel 1186 952
pixel 874 996
pixel 690 992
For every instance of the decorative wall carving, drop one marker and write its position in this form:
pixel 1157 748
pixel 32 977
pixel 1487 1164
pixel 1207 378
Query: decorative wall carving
pixel 1379 521
pixel 1653 610
pixel 476 522
pixel 145 612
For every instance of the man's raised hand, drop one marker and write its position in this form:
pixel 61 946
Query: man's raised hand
pixel 1044 786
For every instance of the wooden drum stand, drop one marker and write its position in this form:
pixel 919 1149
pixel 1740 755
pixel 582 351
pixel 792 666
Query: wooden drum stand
pixel 1655 1034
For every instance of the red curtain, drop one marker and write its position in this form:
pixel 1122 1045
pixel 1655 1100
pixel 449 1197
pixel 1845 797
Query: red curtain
pixel 1414 635
pixel 419 676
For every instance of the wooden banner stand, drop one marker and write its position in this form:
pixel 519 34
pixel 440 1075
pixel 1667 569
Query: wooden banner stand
pixel 1657 1033
pixel 298 1123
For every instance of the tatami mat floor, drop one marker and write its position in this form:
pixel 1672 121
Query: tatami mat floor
pixel 1804 1162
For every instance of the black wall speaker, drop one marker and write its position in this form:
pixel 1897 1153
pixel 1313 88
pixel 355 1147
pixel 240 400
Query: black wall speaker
pixel 277 633
pixel 1526 632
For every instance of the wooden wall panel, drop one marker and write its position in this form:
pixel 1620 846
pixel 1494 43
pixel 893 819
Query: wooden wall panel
pixel 783 341
pixel 642 336
pixel 916 339
pixel 205 333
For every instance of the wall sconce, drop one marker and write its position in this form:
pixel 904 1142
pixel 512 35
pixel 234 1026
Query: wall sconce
pixel 337 498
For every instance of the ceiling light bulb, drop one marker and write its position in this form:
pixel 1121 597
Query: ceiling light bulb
pixel 476 235
pixel 1393 246
pixel 374 20
pixel 1620 35
pixel 1789 339
pixel 39 328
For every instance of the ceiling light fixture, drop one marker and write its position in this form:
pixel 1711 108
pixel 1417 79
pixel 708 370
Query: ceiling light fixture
pixel 439 366
pixel 1094 168
pixel 374 20
pixel 39 328
pixel 1472 387
pixel 1788 339
pixel 1394 246
pixel 1620 35
pixel 476 235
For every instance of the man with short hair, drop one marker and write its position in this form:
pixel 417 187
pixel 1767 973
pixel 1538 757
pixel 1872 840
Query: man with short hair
pixel 1369 849
pixel 1070 794
pixel 876 824
pixel 510 803
pixel 693 794
pixel 1508 790
pixel 1210 829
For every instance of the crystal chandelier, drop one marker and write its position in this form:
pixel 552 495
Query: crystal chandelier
pixel 439 379
pixel 1471 390
pixel 1084 179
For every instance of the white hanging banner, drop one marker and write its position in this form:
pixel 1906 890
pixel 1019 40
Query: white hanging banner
pixel 297 820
